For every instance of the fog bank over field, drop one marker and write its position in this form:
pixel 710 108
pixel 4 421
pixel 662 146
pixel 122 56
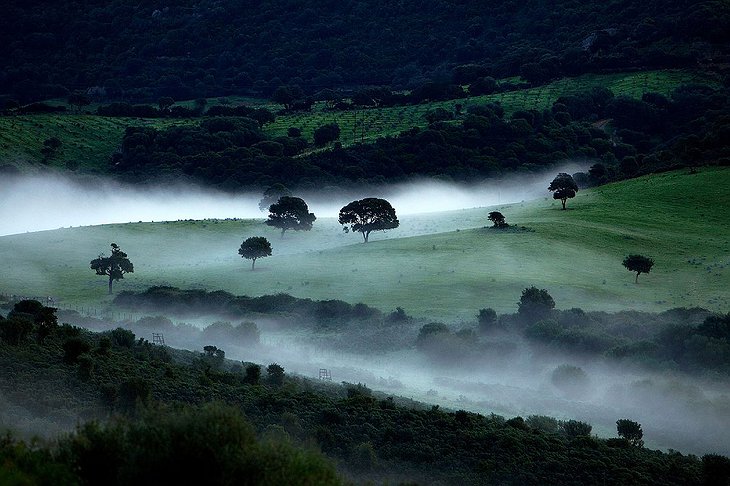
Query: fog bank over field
pixel 45 202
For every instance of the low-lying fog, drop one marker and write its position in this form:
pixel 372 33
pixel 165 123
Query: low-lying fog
pixel 676 410
pixel 42 202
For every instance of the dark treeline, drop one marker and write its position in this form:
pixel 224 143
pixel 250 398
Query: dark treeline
pixel 189 49
pixel 201 302
pixel 167 429
pixel 654 133
pixel 694 340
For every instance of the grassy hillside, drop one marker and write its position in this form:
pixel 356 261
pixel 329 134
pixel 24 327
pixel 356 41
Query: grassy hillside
pixel 366 125
pixel 88 141
pixel 444 265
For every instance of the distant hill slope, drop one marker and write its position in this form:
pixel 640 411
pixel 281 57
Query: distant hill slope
pixel 201 48
pixel 455 267
pixel 88 141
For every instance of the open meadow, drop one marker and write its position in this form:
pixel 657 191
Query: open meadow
pixel 443 265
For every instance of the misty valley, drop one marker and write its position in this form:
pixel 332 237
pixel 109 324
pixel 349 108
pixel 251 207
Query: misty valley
pixel 568 360
pixel 365 242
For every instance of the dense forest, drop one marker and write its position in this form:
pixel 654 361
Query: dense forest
pixel 159 394
pixel 202 48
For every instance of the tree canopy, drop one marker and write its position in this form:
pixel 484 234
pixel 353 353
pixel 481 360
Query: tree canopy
pixel 272 194
pixel 497 219
pixel 639 264
pixel 631 431
pixel 563 187
pixel 115 265
pixel 290 213
pixel 369 214
pixel 535 303
pixel 253 248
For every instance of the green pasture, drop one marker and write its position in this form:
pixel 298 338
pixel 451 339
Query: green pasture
pixel 88 141
pixel 441 266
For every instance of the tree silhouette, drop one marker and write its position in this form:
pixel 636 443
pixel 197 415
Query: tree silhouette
pixel 272 194
pixel 639 264
pixel 369 214
pixel 563 187
pixel 290 213
pixel 275 374
pixel 535 303
pixel 631 431
pixel 497 219
pixel 255 247
pixel 115 265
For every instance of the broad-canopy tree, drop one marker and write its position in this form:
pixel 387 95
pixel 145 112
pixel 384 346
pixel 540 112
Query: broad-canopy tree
pixel 639 264
pixel 497 219
pixel 254 248
pixel 563 187
pixel 114 266
pixel 290 213
pixel 631 431
pixel 369 214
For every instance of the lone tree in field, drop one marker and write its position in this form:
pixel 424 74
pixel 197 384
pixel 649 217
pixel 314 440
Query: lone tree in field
pixel 115 265
pixel 369 214
pixel 290 213
pixel 563 187
pixel 497 219
pixel 639 264
pixel 272 194
pixel 253 248
pixel 631 431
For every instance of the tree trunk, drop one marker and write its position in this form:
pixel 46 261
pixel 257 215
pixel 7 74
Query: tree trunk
pixel 110 285
pixel 637 277
pixel 365 235
pixel 253 262
pixel 563 201
pixel 282 233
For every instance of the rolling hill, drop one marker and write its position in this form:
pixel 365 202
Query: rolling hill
pixel 442 265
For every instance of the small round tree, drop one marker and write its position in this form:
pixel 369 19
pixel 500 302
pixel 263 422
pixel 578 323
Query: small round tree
pixel 253 248
pixel 535 304
pixel 487 319
pixel 497 219
pixel 326 133
pixel 631 431
pixel 563 187
pixel 639 264
pixel 290 213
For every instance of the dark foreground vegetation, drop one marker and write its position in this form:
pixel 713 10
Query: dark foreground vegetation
pixel 176 416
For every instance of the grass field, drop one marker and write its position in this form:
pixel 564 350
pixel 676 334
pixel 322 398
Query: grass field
pixel 443 265
pixel 88 141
